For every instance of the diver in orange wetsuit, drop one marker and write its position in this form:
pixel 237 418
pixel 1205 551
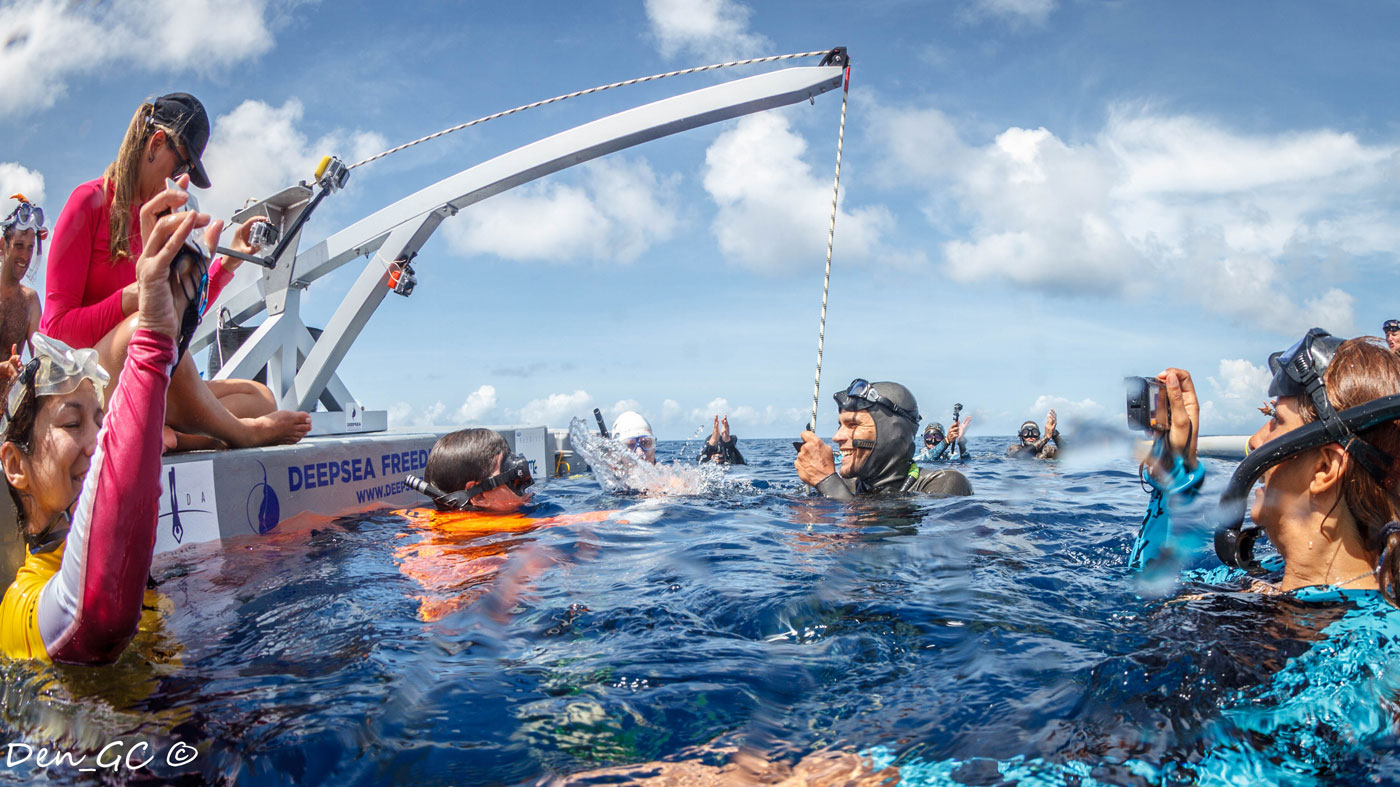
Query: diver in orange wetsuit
pixel 478 489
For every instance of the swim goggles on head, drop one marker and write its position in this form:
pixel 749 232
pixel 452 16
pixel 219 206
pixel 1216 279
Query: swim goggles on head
pixel 56 369
pixel 515 474
pixel 26 216
pixel 1391 326
pixel 861 395
pixel 645 443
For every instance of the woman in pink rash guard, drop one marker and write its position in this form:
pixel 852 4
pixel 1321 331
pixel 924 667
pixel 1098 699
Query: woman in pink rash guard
pixel 91 279
pixel 87 488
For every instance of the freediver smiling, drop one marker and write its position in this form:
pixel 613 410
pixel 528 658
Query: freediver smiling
pixel 876 438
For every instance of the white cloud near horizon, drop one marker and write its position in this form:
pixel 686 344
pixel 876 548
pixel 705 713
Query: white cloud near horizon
pixel 1248 225
pixel 258 149
pixel 475 410
pixel 712 30
pixel 617 212
pixel 47 43
pixel 775 212
pixel 1067 411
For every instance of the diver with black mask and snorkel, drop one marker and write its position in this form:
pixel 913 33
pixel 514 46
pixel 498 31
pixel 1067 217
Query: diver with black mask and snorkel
pixel 878 422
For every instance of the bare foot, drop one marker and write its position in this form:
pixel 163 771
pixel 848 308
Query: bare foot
pixel 168 438
pixel 283 427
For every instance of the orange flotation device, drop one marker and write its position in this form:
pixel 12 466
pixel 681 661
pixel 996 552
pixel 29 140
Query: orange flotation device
pixel 455 558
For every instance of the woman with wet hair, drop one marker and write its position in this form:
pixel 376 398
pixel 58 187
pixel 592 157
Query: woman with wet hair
pixel 91 282
pixel 84 470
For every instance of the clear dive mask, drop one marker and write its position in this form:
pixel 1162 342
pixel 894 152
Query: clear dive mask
pixel 55 370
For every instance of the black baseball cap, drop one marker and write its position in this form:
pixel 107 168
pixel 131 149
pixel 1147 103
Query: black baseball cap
pixel 182 113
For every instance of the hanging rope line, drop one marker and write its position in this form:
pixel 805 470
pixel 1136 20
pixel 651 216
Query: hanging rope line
pixel 830 240
pixel 589 91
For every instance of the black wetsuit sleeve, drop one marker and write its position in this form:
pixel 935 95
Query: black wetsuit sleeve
pixel 707 452
pixel 833 487
pixel 731 451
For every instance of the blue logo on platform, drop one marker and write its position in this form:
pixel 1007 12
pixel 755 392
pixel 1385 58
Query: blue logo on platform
pixel 263 511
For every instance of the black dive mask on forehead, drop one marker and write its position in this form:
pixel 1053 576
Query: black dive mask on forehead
pixel 515 473
pixel 861 395
pixel 1298 371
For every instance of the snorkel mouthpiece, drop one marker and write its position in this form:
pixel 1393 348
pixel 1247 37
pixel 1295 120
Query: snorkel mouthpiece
pixel 1234 540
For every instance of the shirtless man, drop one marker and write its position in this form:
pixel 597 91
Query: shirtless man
pixel 19 305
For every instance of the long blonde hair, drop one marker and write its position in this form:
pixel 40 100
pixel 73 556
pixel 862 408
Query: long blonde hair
pixel 124 175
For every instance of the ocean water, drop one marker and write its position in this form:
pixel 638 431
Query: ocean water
pixel 746 617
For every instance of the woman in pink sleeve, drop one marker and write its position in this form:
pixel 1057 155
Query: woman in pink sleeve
pixel 91 280
pixel 83 470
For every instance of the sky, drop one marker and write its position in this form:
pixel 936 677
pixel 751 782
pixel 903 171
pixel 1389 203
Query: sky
pixel 1038 197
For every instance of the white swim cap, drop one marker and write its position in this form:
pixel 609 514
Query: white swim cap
pixel 629 425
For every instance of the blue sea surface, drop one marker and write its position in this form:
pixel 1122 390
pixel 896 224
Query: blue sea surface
pixel 752 617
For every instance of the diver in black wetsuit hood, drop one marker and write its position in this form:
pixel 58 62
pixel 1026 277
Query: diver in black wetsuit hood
pixel 876 438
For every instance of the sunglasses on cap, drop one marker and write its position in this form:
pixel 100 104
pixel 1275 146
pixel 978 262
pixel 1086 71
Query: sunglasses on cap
pixel 26 216
pixel 861 395
pixel 185 166
pixel 646 443
pixel 1391 326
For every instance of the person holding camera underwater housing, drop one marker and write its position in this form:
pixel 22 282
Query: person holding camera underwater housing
pixel 1328 459
pixel 91 284
pixel 86 487
pixel 876 438
pixel 938 447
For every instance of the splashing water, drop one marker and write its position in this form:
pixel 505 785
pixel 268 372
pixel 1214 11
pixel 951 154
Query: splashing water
pixel 621 470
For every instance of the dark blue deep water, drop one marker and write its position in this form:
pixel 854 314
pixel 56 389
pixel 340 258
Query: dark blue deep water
pixel 754 619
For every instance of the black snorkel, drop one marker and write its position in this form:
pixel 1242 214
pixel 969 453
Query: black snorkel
pixel 602 427
pixel 1234 541
pixel 515 473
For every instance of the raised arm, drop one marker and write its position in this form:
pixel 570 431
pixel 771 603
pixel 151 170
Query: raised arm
pixel 89 611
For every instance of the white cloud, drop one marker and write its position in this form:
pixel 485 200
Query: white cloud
pixel 623 406
pixel 16 179
pixel 1066 410
pixel 257 150
pixel 774 212
pixel 709 29
pixel 1244 224
pixel 670 409
pixel 478 405
pixel 1239 388
pixel 555 410
pixel 45 43
pixel 745 417
pixel 618 211
pixel 1016 11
